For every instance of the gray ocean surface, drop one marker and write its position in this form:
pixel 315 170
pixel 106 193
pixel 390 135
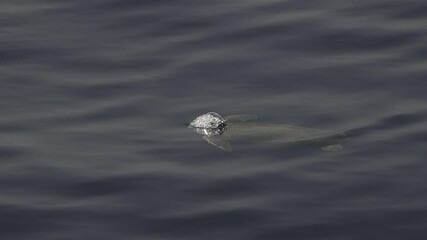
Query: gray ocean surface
pixel 95 98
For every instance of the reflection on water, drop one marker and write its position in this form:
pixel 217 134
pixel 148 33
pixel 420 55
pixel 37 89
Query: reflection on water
pixel 96 96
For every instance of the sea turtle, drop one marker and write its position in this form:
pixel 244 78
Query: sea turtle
pixel 219 131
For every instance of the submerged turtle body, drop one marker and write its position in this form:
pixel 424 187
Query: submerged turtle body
pixel 219 131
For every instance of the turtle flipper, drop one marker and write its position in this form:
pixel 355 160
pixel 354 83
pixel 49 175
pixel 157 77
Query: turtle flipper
pixel 219 143
pixel 332 148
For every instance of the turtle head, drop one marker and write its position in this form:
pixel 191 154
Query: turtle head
pixel 209 124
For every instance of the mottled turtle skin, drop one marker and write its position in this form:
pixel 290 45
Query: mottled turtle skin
pixel 210 120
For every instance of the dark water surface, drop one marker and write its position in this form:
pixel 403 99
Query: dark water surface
pixel 95 96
